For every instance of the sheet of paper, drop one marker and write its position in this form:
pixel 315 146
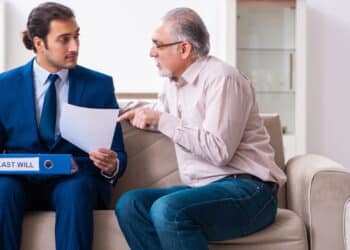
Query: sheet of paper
pixel 88 128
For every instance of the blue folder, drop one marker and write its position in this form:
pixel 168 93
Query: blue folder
pixel 29 164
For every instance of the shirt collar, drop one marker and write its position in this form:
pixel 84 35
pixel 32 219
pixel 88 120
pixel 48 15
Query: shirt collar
pixel 191 73
pixel 42 74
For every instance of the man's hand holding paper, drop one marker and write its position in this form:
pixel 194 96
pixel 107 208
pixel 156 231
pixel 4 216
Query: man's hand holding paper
pixel 92 130
pixel 106 160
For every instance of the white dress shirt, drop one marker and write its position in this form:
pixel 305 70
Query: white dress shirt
pixel 41 85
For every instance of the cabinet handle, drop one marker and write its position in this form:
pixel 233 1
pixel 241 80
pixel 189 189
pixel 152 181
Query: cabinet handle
pixel 291 59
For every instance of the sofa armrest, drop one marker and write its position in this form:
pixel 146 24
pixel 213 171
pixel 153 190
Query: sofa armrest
pixel 318 190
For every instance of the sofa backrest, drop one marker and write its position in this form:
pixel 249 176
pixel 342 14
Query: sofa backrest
pixel 152 161
pixel 273 126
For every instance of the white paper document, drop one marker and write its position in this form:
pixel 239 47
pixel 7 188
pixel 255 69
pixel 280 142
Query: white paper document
pixel 88 128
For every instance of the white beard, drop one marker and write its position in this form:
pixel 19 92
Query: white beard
pixel 165 73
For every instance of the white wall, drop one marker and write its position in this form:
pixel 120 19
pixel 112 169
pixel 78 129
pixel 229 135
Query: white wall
pixel 2 33
pixel 328 84
pixel 116 35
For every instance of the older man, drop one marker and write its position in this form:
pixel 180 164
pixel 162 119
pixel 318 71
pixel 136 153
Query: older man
pixel 225 161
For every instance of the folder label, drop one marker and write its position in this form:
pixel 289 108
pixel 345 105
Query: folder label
pixel 36 164
pixel 20 164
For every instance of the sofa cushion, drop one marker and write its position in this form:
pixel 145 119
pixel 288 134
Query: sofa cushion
pixel 287 233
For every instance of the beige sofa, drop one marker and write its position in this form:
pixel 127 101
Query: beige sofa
pixel 312 206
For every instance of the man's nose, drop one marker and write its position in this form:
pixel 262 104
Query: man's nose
pixel 153 52
pixel 74 45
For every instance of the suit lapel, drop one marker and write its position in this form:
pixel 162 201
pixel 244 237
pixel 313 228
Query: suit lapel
pixel 76 86
pixel 29 97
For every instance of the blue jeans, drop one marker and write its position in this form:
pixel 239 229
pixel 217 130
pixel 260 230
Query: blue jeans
pixel 182 217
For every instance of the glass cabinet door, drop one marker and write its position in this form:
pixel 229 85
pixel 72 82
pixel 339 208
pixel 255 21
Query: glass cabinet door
pixel 265 53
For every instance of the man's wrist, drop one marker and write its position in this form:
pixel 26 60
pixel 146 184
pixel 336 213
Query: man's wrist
pixel 115 172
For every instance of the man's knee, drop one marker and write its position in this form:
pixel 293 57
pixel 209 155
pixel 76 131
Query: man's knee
pixel 164 214
pixel 76 193
pixel 129 203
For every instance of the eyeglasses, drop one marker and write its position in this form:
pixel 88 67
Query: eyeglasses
pixel 158 46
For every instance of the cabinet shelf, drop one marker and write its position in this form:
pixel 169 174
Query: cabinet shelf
pixel 290 50
pixel 275 92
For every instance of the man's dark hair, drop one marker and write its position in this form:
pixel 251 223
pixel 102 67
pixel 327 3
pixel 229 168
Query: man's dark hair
pixel 39 19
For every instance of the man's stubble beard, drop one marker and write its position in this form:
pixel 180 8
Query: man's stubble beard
pixel 165 73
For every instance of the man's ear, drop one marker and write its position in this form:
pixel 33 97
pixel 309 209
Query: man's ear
pixel 38 43
pixel 185 49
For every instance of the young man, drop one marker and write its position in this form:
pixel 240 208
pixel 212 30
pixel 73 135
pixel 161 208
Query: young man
pixel 222 148
pixel 31 97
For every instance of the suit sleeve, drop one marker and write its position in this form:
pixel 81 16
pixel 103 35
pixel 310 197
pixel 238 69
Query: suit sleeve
pixel 118 146
pixel 117 142
pixel 2 138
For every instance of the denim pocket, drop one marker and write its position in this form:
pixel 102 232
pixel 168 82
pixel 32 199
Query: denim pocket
pixel 266 203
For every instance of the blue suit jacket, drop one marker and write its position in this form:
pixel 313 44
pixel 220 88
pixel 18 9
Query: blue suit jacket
pixel 18 126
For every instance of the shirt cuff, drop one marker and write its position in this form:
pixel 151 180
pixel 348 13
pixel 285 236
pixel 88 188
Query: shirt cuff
pixel 168 124
pixel 114 174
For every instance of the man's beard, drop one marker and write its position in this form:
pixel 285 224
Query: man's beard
pixel 165 73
